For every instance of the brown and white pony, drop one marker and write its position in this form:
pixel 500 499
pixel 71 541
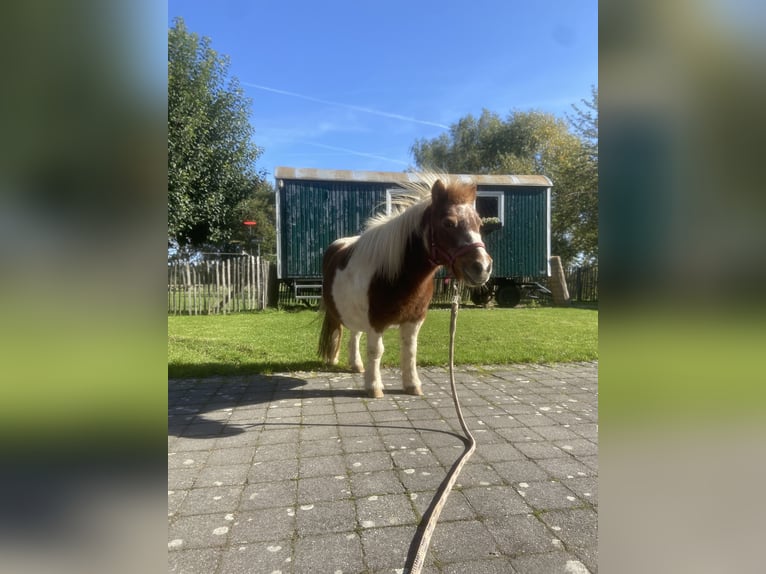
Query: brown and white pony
pixel 385 276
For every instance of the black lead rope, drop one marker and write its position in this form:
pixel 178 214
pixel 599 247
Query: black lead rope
pixel 419 546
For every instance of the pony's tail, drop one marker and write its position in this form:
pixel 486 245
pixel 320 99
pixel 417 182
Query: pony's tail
pixel 329 338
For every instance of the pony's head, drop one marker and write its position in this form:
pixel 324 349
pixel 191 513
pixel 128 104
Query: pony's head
pixel 454 237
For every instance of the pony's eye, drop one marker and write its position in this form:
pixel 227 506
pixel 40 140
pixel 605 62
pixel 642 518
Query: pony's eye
pixel 449 223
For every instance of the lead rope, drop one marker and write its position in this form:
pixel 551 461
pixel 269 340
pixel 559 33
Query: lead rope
pixel 419 547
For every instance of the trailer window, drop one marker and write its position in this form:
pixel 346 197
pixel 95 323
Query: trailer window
pixel 490 204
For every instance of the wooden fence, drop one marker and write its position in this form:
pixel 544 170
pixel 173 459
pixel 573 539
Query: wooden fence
pixel 218 287
pixel 582 283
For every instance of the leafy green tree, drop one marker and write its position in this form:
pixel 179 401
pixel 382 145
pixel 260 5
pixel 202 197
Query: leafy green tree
pixel 211 156
pixel 261 208
pixel 531 143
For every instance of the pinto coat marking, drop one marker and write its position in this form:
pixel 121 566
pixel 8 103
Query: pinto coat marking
pixel 384 277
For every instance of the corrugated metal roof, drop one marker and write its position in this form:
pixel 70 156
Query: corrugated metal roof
pixel 303 173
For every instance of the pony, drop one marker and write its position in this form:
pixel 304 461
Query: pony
pixel 385 276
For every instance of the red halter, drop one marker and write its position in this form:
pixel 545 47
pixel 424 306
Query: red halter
pixel 451 257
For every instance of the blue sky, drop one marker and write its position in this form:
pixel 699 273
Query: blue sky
pixel 353 84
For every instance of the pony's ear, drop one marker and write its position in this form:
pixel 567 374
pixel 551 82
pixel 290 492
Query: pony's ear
pixel 438 191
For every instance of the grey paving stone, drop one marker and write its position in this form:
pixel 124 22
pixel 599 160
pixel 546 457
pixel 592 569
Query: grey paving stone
pixel 456 507
pixel 218 475
pixel 585 488
pixel 331 553
pixel 322 466
pixel 496 501
pixel 386 548
pixel 274 556
pixel 323 479
pixel 492 566
pixel 387 510
pixel 566 467
pixel 201 561
pixel 323 488
pixel 549 563
pixel 548 495
pixel 272 470
pixel 519 534
pixel 262 525
pixel 276 451
pixel 520 471
pixel 383 482
pixel 269 495
pixel 219 499
pixel 324 517
pixel 198 531
pixel 368 462
pixel 462 541
pixel 577 527
pixel 540 450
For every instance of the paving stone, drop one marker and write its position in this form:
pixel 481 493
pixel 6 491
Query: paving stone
pixel 322 466
pixel 456 507
pixel 386 510
pixel 461 541
pixel 273 556
pixel 331 553
pixel 219 499
pixel 218 475
pixel 324 517
pixel 518 534
pixel 269 494
pixel 548 495
pixel 262 525
pixel 201 561
pixel 563 468
pixel 386 548
pixel 198 531
pixel 520 471
pixel 302 473
pixel 496 501
pixel 323 489
pixel 383 482
pixel 549 563
pixel 273 470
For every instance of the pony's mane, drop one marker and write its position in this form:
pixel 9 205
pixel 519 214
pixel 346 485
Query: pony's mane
pixel 385 236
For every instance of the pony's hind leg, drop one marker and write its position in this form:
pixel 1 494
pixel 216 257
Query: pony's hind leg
pixel 354 356
pixel 408 334
pixel 372 381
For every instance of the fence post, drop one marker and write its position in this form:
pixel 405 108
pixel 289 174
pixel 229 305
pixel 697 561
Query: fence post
pixel 558 283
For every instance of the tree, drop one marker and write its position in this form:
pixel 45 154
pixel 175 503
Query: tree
pixel 261 208
pixel 210 153
pixel 530 143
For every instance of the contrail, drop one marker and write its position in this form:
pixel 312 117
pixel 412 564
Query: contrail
pixel 347 106
pixel 354 152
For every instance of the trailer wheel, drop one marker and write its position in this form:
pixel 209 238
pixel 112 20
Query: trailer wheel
pixel 481 295
pixel 508 295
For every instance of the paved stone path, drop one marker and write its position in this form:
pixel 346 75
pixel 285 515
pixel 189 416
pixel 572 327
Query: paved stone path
pixel 300 472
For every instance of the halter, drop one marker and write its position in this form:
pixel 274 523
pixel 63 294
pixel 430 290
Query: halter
pixel 451 257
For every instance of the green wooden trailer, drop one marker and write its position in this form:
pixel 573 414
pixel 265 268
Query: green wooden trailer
pixel 317 206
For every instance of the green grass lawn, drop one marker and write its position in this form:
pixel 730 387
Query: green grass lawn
pixel 275 341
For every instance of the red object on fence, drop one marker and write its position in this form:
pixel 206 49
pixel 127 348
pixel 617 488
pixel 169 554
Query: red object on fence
pixel 249 222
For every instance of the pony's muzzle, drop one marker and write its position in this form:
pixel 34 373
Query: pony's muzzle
pixel 477 271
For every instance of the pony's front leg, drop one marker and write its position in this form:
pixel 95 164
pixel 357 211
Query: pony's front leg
pixel 408 334
pixel 354 356
pixel 372 381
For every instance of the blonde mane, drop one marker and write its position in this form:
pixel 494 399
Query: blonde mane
pixel 384 239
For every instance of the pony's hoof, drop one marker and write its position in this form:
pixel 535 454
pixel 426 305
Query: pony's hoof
pixel 375 393
pixel 415 391
pixel 357 368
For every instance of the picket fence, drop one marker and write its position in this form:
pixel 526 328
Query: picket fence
pixel 219 286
